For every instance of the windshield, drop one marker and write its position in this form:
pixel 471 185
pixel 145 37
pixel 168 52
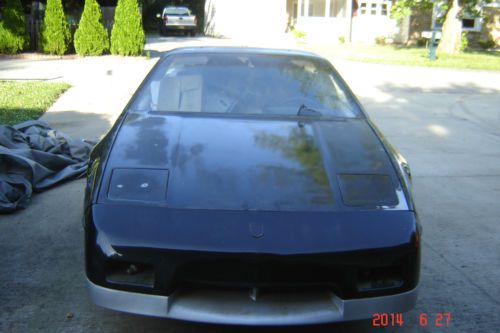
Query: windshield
pixel 259 84
pixel 177 11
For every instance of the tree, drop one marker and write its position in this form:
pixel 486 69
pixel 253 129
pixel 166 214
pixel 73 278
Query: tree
pixel 13 37
pixel 56 35
pixel 451 34
pixel 91 38
pixel 127 36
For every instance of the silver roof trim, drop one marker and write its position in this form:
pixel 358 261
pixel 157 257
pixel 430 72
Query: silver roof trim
pixel 240 50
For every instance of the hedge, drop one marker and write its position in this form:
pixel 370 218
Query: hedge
pixel 13 37
pixel 91 38
pixel 56 36
pixel 127 36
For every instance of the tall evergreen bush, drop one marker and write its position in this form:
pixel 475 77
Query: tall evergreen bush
pixel 91 38
pixel 127 36
pixel 13 37
pixel 56 35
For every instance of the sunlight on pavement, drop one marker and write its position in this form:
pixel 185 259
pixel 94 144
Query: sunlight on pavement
pixel 438 130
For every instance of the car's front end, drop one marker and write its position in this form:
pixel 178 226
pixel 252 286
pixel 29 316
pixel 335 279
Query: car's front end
pixel 209 274
pixel 244 219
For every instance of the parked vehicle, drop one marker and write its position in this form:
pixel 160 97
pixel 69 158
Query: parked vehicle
pixel 248 186
pixel 177 19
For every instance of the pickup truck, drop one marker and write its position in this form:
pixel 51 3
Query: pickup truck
pixel 177 19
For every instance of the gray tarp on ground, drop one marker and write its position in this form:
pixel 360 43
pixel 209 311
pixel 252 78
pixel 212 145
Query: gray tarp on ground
pixel 34 157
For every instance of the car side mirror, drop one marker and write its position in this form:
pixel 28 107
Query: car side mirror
pixel 158 16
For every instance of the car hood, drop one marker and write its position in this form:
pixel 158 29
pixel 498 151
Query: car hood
pixel 248 163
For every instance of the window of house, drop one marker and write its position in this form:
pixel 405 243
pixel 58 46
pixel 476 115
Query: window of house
pixel 374 8
pixel 470 23
pixel 383 10
pixel 317 8
pixel 337 8
pixel 362 8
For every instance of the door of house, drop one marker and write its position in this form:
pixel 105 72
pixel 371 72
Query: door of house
pixel 372 20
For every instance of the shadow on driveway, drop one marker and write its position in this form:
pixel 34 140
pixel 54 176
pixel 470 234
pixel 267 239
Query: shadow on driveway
pixel 79 125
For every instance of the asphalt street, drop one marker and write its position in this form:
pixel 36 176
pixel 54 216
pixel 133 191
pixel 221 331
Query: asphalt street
pixel 446 122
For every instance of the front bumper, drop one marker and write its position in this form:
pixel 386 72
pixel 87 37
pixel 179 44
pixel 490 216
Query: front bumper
pixel 237 307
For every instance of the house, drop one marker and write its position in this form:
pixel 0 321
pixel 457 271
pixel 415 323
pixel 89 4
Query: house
pixel 352 20
pixel 482 30
pixel 326 20
pixel 490 25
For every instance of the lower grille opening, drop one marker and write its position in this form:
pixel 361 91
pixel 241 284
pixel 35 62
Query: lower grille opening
pixel 297 294
pixel 127 273
pixel 266 288
pixel 275 275
pixel 256 291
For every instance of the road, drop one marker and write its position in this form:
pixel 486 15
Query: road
pixel 446 122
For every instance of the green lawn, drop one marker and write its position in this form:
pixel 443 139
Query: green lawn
pixel 21 101
pixel 413 56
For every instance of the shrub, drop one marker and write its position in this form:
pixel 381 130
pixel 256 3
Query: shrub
pixel 464 42
pixel 91 38
pixel 127 36
pixel 299 34
pixel 486 43
pixel 56 35
pixel 13 37
pixel 380 40
pixel 341 39
pixel 422 41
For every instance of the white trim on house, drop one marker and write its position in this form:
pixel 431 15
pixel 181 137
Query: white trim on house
pixel 324 19
pixel 331 19
pixel 477 23
pixel 377 8
pixel 494 4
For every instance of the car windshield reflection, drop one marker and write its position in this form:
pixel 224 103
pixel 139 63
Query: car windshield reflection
pixel 253 84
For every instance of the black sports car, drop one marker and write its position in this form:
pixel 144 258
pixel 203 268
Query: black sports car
pixel 248 186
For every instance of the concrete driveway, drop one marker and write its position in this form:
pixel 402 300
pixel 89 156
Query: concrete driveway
pixel 446 122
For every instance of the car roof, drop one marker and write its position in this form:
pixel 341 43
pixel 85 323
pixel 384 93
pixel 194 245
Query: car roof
pixel 241 50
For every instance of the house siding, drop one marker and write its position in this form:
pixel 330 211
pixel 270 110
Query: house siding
pixel 421 20
pixel 490 28
pixel 328 20
pixel 242 18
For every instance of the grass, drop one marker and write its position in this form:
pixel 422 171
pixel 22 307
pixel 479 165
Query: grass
pixel 416 56
pixel 21 101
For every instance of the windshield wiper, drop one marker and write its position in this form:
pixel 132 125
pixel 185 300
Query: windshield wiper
pixel 306 111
